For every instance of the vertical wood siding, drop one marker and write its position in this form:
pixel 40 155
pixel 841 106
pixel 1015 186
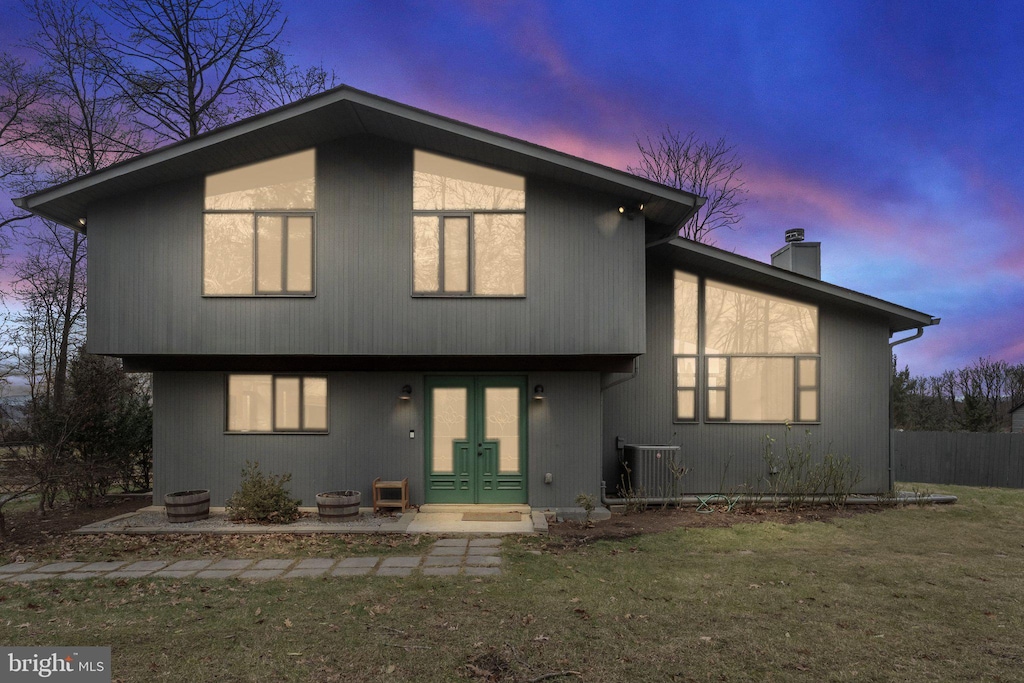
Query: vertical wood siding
pixel 722 457
pixel 368 438
pixel 583 293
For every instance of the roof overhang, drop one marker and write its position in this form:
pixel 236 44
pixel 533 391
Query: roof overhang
pixel 711 260
pixel 342 112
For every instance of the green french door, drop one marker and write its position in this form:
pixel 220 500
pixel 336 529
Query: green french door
pixel 476 440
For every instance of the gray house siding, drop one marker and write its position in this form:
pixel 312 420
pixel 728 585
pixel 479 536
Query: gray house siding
pixel 1017 419
pixel 368 437
pixel 721 457
pixel 582 293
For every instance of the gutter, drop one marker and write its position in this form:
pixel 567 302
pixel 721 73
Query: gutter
pixel 22 203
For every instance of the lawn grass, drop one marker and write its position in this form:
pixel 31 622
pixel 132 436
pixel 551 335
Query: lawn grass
pixel 918 593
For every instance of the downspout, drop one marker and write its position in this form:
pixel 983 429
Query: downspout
pixel 892 403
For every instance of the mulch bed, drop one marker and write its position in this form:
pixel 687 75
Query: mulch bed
pixel 27 529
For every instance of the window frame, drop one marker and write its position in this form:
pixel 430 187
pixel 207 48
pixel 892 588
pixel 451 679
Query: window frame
pixel 442 214
pixel 274 376
pixel 702 390
pixel 255 216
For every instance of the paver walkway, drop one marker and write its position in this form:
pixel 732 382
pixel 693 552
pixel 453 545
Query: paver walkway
pixel 447 557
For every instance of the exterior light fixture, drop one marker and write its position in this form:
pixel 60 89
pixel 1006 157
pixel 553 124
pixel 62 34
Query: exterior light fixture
pixel 538 392
pixel 81 221
pixel 631 210
pixel 406 393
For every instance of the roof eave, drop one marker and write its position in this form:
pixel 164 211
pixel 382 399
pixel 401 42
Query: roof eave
pixel 900 318
pixel 355 111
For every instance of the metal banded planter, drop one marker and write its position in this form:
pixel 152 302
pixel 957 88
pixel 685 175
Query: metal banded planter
pixel 338 505
pixel 187 506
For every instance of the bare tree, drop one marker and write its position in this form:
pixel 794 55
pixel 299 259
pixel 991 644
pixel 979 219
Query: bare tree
pixel 707 169
pixel 20 90
pixel 183 63
pixel 284 84
pixel 76 128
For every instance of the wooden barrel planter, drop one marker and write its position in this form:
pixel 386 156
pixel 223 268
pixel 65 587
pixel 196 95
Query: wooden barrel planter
pixel 187 506
pixel 334 506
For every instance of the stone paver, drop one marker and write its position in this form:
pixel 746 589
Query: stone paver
pixel 394 571
pixel 144 566
pixel 447 557
pixel 392 562
pixel 261 574
pixel 216 573
pixel 482 550
pixel 307 573
pixel 235 565
pixel 316 563
pixel 351 571
pixel 189 565
pixel 448 550
pixel 362 562
pixel 57 567
pixel 32 576
pixel 78 576
pixel 441 571
pixel 273 564
pixel 102 566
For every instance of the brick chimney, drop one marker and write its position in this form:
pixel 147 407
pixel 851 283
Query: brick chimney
pixel 799 256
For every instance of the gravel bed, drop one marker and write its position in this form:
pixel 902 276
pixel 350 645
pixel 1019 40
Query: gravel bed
pixel 218 521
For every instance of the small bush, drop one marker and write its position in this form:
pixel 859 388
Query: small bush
pixel 262 498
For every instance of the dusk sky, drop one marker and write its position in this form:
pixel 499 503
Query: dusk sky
pixel 890 131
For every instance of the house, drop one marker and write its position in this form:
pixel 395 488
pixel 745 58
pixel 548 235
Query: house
pixel 348 288
pixel 1017 418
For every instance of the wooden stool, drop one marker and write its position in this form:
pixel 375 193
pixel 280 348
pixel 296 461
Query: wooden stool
pixel 379 501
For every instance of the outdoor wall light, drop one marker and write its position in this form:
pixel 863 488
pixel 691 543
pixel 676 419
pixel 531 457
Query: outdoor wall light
pixel 81 221
pixel 406 393
pixel 538 392
pixel 631 210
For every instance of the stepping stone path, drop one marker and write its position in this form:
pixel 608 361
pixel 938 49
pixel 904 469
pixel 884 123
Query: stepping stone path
pixel 447 557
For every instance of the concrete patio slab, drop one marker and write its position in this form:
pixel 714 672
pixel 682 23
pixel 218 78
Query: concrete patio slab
pixel 357 562
pixel 58 567
pixel 103 566
pixel 272 564
pixel 261 574
pixel 189 565
pixel 391 562
pixel 352 571
pixel 145 566
pixel 16 567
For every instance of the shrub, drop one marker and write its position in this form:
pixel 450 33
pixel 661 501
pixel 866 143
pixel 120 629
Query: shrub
pixel 262 498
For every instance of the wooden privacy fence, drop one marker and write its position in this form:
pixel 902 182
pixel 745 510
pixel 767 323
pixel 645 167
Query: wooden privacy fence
pixel 965 458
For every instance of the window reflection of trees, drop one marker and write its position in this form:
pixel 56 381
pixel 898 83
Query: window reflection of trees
pixel 742 321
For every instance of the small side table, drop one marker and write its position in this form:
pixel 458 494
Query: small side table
pixel 387 501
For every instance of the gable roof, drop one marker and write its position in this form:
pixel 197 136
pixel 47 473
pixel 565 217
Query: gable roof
pixel 341 112
pixel 708 259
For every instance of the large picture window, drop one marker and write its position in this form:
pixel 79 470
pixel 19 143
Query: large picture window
pixel 258 228
pixel 276 403
pixel 759 354
pixel 469 229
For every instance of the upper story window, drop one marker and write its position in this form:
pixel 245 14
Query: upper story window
pixel 760 354
pixel 259 228
pixel 469 229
